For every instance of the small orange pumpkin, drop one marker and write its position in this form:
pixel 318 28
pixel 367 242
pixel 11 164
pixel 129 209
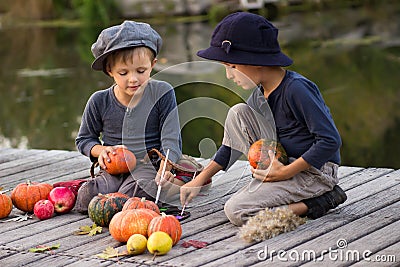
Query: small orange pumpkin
pixel 168 224
pixel 123 161
pixel 128 222
pixel 258 153
pixel 25 195
pixel 140 203
pixel 5 205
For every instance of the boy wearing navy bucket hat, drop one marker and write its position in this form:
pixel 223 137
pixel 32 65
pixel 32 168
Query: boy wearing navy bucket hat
pixel 247 44
pixel 136 112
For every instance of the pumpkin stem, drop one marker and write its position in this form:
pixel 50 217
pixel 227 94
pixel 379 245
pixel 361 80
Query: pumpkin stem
pixel 28 182
pixel 163 214
pixel 143 199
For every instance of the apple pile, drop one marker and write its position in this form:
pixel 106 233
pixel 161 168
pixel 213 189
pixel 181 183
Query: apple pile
pixel 60 200
pixel 42 199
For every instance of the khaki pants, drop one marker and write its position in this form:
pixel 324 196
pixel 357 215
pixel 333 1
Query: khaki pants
pixel 256 196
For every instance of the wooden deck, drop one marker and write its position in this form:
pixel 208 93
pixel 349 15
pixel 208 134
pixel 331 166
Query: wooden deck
pixel 367 224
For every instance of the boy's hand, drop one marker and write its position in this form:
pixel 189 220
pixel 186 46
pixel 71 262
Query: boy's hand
pixel 189 191
pixel 168 177
pixel 103 156
pixel 274 173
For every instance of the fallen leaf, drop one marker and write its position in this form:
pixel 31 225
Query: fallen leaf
pixel 19 218
pixel 89 230
pixel 194 243
pixel 42 248
pixel 111 252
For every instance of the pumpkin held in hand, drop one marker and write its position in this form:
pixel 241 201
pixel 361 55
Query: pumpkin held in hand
pixel 168 224
pixel 140 203
pixel 123 161
pixel 25 195
pixel 258 153
pixel 5 205
pixel 128 222
pixel 102 208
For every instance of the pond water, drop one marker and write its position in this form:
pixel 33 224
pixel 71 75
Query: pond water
pixel 352 54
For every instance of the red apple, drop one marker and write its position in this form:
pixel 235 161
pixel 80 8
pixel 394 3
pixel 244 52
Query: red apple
pixel 43 209
pixel 63 199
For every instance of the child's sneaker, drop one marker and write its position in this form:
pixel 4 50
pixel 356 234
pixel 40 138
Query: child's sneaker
pixel 319 206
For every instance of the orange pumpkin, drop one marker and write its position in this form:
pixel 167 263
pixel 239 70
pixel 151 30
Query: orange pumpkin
pixel 128 222
pixel 140 203
pixel 258 153
pixel 168 224
pixel 25 195
pixel 123 161
pixel 5 205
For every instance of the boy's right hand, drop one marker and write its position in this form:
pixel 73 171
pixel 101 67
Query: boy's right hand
pixel 103 155
pixel 189 191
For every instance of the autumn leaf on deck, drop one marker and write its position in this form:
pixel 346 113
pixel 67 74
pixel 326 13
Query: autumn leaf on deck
pixel 42 248
pixel 194 243
pixel 89 230
pixel 111 252
pixel 19 218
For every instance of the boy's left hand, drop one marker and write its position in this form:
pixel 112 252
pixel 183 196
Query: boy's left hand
pixel 274 173
pixel 168 177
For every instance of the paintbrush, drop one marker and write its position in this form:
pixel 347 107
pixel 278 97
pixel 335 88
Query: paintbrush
pixel 162 177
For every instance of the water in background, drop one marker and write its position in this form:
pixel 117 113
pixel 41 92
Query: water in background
pixel 353 55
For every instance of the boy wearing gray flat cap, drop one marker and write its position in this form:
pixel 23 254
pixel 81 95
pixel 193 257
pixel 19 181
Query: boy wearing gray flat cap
pixel 136 112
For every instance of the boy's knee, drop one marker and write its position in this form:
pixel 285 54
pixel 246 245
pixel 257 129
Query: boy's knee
pixel 240 108
pixel 234 213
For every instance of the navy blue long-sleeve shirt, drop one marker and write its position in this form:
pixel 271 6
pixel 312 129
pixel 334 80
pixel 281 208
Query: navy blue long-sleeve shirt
pixel 303 122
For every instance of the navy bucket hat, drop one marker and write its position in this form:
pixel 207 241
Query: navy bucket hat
pixel 126 35
pixel 248 39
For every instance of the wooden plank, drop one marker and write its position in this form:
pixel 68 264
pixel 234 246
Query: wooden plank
pixel 20 236
pixel 5 252
pixel 91 263
pixel 346 171
pixel 43 162
pixel 364 176
pixel 52 259
pixel 348 237
pixel 60 234
pixel 11 154
pixel 388 256
pixel 24 258
pixel 29 161
pixel 46 173
pixel 247 253
pixel 372 186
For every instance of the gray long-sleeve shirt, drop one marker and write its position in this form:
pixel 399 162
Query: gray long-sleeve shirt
pixel 152 123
